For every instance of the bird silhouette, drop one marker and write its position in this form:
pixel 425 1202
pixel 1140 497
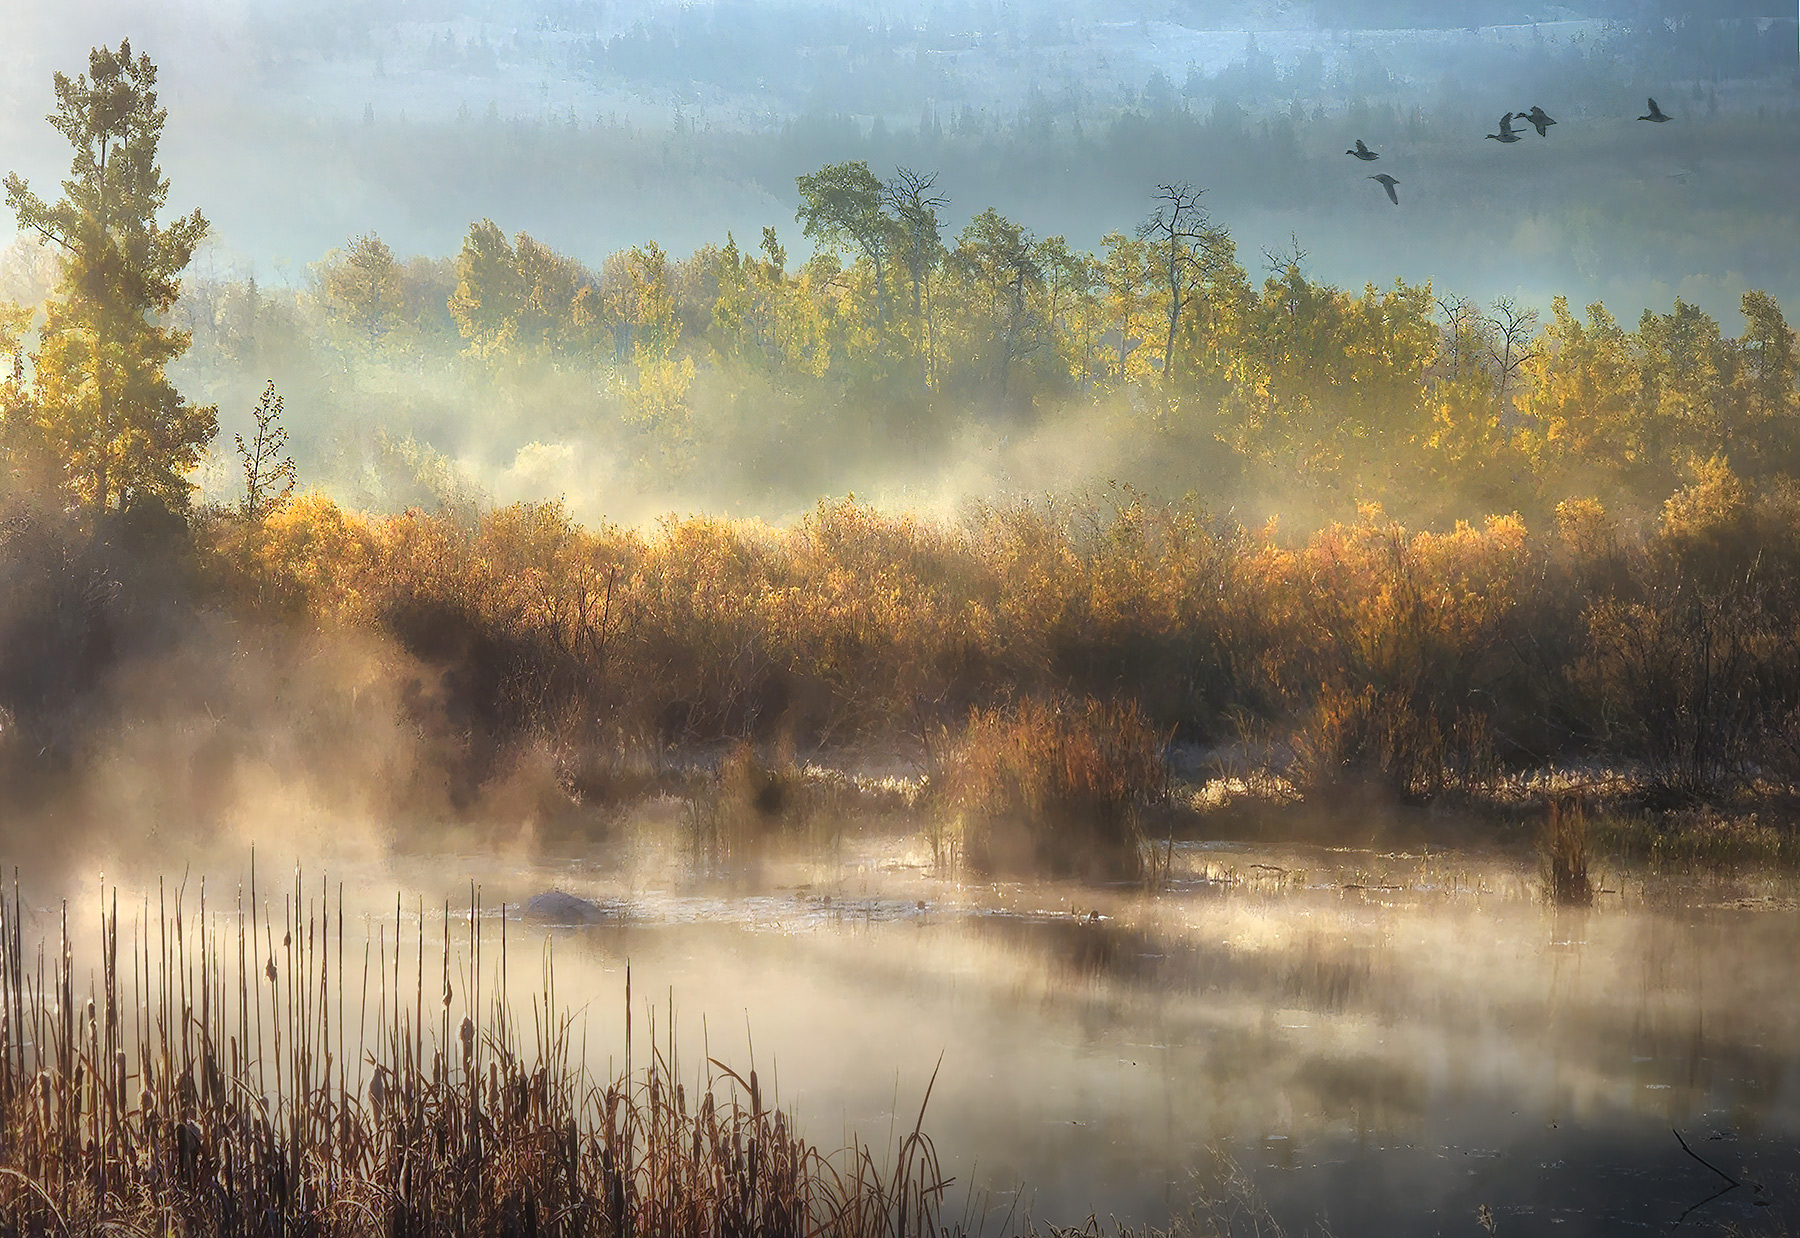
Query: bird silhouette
pixel 1506 133
pixel 1539 119
pixel 1362 152
pixel 1657 115
pixel 1388 183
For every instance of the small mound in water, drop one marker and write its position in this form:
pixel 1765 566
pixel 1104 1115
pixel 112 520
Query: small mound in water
pixel 1054 788
pixel 560 907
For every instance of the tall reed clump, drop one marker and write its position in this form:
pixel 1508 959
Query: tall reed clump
pixel 751 806
pixel 1563 856
pixel 1055 788
pixel 220 1079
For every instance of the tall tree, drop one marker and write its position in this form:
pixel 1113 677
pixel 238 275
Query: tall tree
pixel 104 405
pixel 1125 275
pixel 362 288
pixel 1071 285
pixel 915 203
pixel 998 259
pixel 1186 248
pixel 843 204
pixel 485 304
pixel 1769 364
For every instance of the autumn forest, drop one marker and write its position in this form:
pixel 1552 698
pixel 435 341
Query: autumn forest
pixel 1383 536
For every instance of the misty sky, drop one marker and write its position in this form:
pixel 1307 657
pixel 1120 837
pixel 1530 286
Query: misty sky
pixel 596 124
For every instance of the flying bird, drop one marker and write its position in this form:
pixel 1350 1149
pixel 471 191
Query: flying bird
pixel 1388 183
pixel 1362 152
pixel 1506 133
pixel 1540 119
pixel 1657 115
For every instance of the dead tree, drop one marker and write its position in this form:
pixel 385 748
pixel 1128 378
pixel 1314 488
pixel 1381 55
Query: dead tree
pixel 1187 248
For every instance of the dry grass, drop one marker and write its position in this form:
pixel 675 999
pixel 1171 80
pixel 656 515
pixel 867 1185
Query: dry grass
pixel 1563 856
pixel 750 808
pixel 1699 839
pixel 1055 788
pixel 221 1078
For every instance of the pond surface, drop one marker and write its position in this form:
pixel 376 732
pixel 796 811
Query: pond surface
pixel 1383 1042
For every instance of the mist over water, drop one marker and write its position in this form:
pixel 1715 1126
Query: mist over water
pixel 1383 1039
pixel 1376 1038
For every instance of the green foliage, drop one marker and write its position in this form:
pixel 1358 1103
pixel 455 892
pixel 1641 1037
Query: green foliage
pixel 102 404
pixel 362 290
pixel 885 356
pixel 521 301
pixel 843 204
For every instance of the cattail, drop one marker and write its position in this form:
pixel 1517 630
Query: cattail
pixel 300 1149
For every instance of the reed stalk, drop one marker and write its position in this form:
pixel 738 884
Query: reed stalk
pixel 146 1107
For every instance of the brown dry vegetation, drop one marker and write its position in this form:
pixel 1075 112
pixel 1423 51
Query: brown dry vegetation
pixel 1424 660
pixel 218 1078
pixel 1563 856
pixel 1366 655
pixel 1055 788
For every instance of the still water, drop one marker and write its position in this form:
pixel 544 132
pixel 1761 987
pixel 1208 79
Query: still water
pixel 1383 1041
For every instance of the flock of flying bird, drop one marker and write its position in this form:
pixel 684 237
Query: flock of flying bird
pixel 1537 118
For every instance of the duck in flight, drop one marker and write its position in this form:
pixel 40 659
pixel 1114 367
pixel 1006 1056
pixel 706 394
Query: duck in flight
pixel 1657 115
pixel 1540 119
pixel 1362 152
pixel 1388 183
pixel 1506 133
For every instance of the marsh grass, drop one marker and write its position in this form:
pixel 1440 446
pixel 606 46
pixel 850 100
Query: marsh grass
pixel 1696 839
pixel 1056 788
pixel 1563 855
pixel 240 1071
pixel 751 807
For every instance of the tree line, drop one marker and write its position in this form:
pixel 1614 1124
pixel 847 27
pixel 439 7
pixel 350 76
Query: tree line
pixel 1631 599
pixel 1405 395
